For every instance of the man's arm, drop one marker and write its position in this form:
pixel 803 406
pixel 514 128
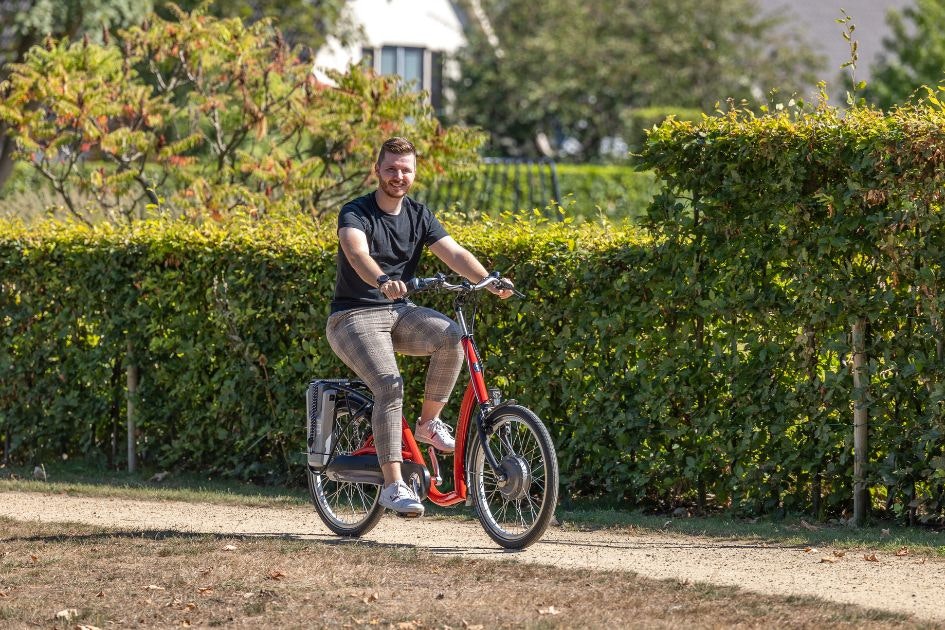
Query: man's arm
pixel 355 247
pixel 461 260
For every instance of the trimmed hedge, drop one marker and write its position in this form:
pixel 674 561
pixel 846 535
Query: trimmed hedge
pixel 706 359
pixel 779 237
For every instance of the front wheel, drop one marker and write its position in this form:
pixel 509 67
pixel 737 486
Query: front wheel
pixel 346 508
pixel 516 512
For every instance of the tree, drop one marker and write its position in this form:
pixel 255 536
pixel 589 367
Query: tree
pixel 26 23
pixel 210 117
pixel 303 22
pixel 914 54
pixel 562 69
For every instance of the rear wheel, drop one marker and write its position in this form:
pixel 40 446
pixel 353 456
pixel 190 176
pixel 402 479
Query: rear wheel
pixel 346 508
pixel 516 512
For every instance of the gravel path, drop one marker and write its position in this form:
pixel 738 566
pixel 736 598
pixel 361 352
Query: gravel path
pixel 903 584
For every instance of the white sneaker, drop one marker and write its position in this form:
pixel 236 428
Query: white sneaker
pixel 436 433
pixel 399 497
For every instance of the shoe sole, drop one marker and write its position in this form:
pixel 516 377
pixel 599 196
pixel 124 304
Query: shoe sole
pixel 452 450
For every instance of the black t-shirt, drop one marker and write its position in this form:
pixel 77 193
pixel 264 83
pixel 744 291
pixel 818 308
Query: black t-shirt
pixel 395 241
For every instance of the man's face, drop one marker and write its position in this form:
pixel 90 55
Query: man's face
pixel 395 174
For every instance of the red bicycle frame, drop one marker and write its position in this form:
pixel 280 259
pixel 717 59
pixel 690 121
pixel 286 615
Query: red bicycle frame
pixel 476 394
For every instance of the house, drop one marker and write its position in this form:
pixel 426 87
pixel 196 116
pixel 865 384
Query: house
pixel 411 38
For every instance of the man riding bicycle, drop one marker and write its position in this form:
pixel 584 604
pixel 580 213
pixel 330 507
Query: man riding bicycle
pixel 381 237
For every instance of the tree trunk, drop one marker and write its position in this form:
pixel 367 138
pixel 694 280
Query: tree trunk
pixel 132 395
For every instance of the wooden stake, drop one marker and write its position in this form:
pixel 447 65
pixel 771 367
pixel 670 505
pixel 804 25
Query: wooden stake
pixel 132 394
pixel 861 382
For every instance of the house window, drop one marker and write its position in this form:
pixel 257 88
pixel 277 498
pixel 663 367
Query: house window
pixel 404 61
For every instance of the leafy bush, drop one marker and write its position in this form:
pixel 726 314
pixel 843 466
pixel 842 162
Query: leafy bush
pixel 778 238
pixel 588 191
pixel 208 117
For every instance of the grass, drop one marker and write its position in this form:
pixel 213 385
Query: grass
pixel 89 479
pixel 124 578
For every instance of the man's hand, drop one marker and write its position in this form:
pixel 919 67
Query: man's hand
pixel 502 293
pixel 393 289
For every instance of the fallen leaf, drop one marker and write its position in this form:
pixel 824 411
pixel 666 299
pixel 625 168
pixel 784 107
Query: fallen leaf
pixel 276 575
pixel 871 558
pixel 229 548
pixel 67 614
pixel 3 594
pixel 827 560
pixel 249 595
pixel 884 532
pixel 33 558
pixel 370 598
pixel 204 590
pixel 81 627
pixel 185 624
pixel 407 625
pixel 808 526
pixel 190 606
pixel 839 554
pixel 101 594
pixel 154 587
pixel 207 570
pixel 551 610
pixel 809 549
pixel 903 551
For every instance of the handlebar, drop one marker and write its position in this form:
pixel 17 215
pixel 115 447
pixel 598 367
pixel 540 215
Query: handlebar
pixel 415 285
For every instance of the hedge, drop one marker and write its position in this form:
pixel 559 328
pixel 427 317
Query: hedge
pixel 707 357
pixel 589 192
pixel 801 277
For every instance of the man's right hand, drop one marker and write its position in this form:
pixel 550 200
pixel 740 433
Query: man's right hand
pixel 393 289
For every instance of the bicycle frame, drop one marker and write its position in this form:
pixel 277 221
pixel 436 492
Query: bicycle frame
pixel 476 393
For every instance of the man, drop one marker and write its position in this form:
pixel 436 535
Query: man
pixel 381 236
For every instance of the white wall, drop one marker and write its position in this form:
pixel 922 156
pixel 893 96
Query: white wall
pixel 430 24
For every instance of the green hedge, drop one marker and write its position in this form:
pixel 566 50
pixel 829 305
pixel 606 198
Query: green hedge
pixel 589 192
pixel 616 192
pixel 778 237
pixel 703 358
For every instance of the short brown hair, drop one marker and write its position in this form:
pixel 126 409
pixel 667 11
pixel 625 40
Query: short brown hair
pixel 397 146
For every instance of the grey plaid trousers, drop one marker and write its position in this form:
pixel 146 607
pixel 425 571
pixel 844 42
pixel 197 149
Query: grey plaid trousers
pixel 366 340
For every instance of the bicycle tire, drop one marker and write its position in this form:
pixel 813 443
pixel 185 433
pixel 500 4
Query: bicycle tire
pixel 346 508
pixel 517 514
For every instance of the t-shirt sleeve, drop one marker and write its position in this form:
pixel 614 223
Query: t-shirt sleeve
pixel 351 217
pixel 435 230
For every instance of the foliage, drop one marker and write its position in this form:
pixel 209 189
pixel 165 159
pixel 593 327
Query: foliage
pixel 705 363
pixel 587 191
pixel 208 117
pixel 303 22
pixel 637 122
pixel 914 54
pixel 561 70
pixel 774 236
pixel 25 24
pixel 591 191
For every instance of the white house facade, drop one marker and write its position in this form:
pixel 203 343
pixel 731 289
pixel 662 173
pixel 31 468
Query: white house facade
pixel 414 39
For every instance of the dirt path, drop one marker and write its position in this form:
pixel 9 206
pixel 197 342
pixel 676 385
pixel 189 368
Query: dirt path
pixel 901 584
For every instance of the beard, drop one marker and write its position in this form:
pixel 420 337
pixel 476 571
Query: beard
pixel 391 191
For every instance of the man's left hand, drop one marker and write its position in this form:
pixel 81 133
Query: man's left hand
pixel 502 293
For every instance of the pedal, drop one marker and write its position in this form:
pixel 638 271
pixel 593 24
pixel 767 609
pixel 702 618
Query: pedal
pixel 410 515
pixel 435 465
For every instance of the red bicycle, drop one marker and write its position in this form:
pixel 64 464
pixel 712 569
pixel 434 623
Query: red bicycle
pixel 504 464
